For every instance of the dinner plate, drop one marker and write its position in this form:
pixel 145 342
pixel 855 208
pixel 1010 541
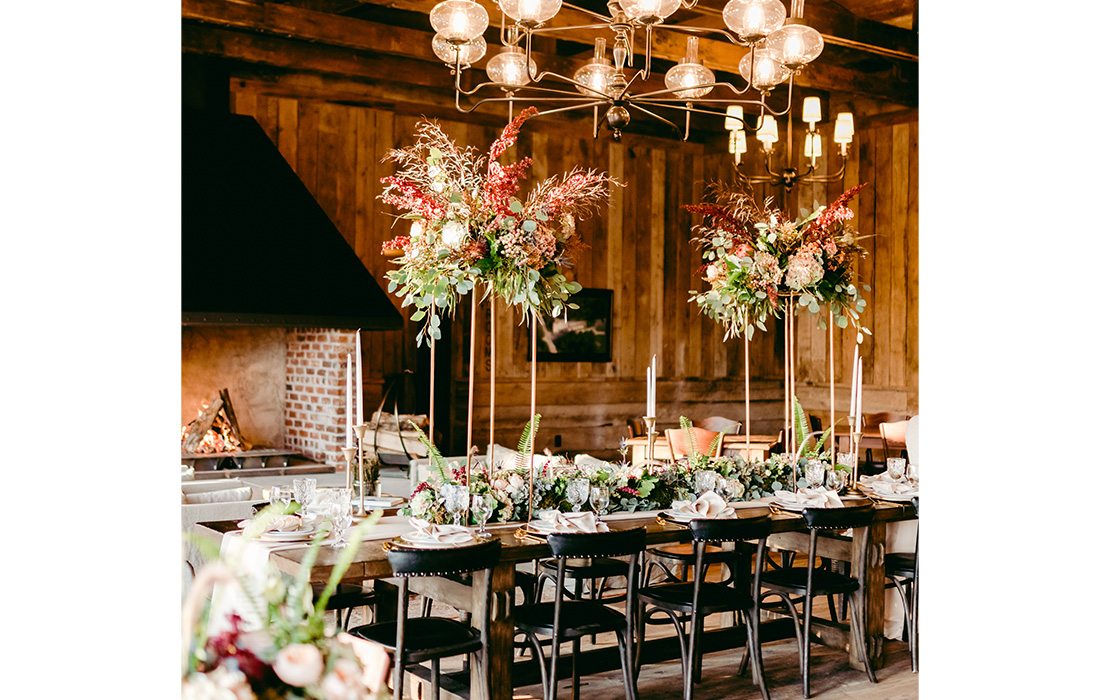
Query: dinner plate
pixel 419 542
pixel 894 497
pixel 288 535
pixel 677 516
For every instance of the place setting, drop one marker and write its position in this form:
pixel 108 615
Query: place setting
pixel 895 485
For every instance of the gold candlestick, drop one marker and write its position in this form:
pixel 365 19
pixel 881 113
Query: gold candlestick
pixel 856 435
pixel 651 434
pixel 349 456
pixel 361 433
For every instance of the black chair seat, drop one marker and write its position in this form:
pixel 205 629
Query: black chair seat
pixel 686 553
pixel 901 565
pixel 425 637
pixel 526 583
pixel 593 568
pixel 794 580
pixel 346 596
pixel 713 597
pixel 579 618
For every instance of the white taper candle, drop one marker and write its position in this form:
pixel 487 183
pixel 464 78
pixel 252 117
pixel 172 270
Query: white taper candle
pixel 348 389
pixel 359 378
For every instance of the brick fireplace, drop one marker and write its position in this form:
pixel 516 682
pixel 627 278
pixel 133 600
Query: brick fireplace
pixel 315 391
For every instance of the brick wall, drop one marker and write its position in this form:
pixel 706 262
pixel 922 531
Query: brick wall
pixel 315 392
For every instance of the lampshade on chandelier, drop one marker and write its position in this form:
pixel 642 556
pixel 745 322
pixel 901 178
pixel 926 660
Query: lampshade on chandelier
pixel 768 135
pixel 779 47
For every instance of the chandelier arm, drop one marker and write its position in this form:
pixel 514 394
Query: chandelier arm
pixel 729 86
pixel 658 116
pixel 541 30
pixel 573 82
pixel 688 29
pixel 558 110
pixel 477 103
pixel 585 10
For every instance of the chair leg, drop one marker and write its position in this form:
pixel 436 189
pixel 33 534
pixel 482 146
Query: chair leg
pixel 913 625
pixel 808 609
pixel 641 640
pixel 576 668
pixel 861 641
pixel 541 658
pixel 398 676
pixel 483 663
pixel 630 681
pixel 435 679
pixel 426 607
pixel 752 645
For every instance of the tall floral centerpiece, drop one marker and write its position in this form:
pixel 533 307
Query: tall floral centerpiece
pixel 759 262
pixel 469 224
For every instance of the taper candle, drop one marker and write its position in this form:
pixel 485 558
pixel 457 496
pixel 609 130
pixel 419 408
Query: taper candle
pixel 350 439
pixel 359 378
pixel 855 378
pixel 859 397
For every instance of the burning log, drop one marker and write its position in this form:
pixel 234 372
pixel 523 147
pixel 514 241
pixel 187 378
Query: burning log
pixel 214 429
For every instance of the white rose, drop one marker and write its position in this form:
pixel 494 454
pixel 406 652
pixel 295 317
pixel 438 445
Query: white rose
pixel 514 482
pixel 219 684
pixel 712 272
pixel 299 665
pixel 343 682
pixel 454 232
pixel 499 484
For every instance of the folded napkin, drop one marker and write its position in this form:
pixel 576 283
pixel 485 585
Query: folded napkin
pixel 893 488
pixel 556 521
pixel 877 478
pixel 281 523
pixel 709 505
pixel 812 498
pixel 443 534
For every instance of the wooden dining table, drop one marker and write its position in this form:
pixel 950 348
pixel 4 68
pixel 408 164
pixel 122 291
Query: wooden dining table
pixel 789 533
pixel 757 447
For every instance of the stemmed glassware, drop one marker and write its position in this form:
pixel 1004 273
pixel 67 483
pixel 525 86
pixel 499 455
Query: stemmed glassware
pixel 815 473
pixel 456 499
pixel 600 496
pixel 577 491
pixel 282 496
pixel 305 489
pixel 895 467
pixel 482 507
pixel 338 509
pixel 705 480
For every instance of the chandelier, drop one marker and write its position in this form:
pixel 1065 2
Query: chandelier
pixel 768 135
pixel 779 47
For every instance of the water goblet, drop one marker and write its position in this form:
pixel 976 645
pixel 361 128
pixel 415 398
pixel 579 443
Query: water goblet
pixel 576 492
pixel 456 500
pixel 705 480
pixel 895 468
pixel 482 507
pixel 338 509
pixel 815 473
pixel 281 495
pixel 834 480
pixel 601 498
pixel 304 491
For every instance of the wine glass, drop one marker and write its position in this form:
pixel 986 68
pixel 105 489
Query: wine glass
pixel 456 499
pixel 815 473
pixel 304 491
pixel 338 509
pixel 601 498
pixel 895 467
pixel 482 507
pixel 705 480
pixel 576 492
pixel 281 495
pixel 834 480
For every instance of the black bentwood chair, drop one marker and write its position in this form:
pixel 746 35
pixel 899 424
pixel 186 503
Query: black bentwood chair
pixel 346 598
pixel 418 639
pixel 693 601
pixel 570 620
pixel 903 569
pixel 810 581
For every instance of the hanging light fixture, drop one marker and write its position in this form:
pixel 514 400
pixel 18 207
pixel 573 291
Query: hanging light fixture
pixel 778 48
pixel 812 150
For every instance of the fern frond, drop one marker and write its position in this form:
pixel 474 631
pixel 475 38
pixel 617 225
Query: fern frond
pixel 801 430
pixel 825 437
pixel 435 457
pixel 525 446
pixel 716 444
pixel 686 426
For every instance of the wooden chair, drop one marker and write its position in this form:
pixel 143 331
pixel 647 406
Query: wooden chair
pixel 678 442
pixel 893 438
pixel 903 570
pixel 412 641
pixel 635 427
pixel 721 425
pixel 571 620
pixel 871 422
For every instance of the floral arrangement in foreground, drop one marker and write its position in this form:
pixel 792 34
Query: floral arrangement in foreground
pixel 288 654
pixel 754 255
pixel 469 224
pixel 633 487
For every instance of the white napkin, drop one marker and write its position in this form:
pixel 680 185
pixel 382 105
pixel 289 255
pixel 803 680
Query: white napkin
pixel 556 521
pixel 889 487
pixel 812 498
pixel 443 534
pixel 709 505
pixel 282 523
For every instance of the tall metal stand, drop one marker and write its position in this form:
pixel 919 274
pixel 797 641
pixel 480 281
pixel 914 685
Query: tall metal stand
pixel 651 435
pixel 531 463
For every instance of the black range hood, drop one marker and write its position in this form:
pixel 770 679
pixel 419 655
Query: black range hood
pixel 257 248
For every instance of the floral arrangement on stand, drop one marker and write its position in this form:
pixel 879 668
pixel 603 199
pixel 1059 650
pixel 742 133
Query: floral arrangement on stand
pixel 288 654
pixel 755 255
pixel 633 488
pixel 469 224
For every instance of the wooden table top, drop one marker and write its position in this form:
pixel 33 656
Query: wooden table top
pixel 370 561
pixel 661 439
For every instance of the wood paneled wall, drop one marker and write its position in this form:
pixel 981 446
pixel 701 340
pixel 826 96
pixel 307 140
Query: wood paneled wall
pixel 640 248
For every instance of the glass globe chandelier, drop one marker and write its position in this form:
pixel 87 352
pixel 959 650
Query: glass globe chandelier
pixel 768 135
pixel 778 48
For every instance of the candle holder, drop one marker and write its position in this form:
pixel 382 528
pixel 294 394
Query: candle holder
pixel 349 457
pixel 651 434
pixel 856 435
pixel 361 434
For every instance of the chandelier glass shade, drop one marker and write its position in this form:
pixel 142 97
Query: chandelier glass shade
pixel 614 84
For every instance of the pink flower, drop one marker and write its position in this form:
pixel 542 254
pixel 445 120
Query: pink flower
pixel 344 681
pixel 299 665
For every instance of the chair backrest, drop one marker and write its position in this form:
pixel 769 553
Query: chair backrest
pixel 893 436
pixel 721 425
pixel 636 427
pixel 616 543
pixel 912 437
pixel 441 562
pixel 838 518
pixel 730 529
pixel 680 447
pixel 871 421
